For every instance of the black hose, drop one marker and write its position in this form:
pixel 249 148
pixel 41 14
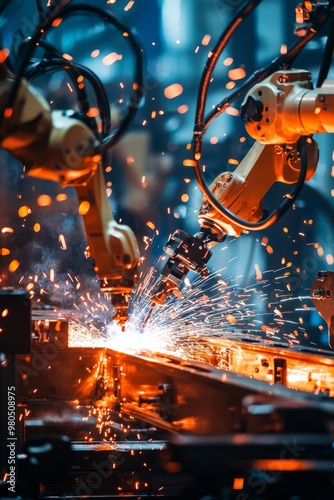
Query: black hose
pixel 201 125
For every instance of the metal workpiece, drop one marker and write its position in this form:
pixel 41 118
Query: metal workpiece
pixel 322 295
pixel 133 419
pixel 187 396
pixel 62 374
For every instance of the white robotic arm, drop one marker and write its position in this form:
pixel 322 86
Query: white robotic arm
pixel 277 112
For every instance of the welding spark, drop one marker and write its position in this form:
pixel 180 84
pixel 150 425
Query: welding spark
pixel 211 307
pixel 207 307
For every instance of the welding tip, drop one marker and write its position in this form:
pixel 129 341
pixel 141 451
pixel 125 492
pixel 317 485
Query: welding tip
pixel 120 302
pixel 149 314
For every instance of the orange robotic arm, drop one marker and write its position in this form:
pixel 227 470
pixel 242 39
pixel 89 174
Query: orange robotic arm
pixel 58 147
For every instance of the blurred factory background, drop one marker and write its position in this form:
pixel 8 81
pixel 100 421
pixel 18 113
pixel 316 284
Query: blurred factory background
pixel 149 188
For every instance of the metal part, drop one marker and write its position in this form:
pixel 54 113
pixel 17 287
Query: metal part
pixel 299 368
pixel 112 246
pixel 187 253
pixel 223 401
pixel 165 402
pixel 284 107
pixel 62 374
pixel 59 146
pixel 322 294
pixel 243 190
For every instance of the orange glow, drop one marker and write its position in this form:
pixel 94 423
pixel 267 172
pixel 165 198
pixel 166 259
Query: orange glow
pixel 228 61
pixel 4 53
pixel 37 227
pixel 44 200
pixel 111 58
pixel 232 319
pixel 62 242
pixel 232 161
pixel 129 5
pixel 4 251
pixel 269 249
pixel 97 158
pixel 8 112
pixel 93 112
pixel 258 272
pixel 308 6
pixel 61 197
pixel 230 85
pixel 95 53
pixel 57 22
pixel 4 313
pixel 150 225
pixel 84 207
pixel 185 198
pixel 24 211
pixel 232 111
pixel 284 465
pixel 236 73
pixel 182 109
pixel 329 259
pixel 13 266
pixel 206 39
pixel 7 230
pixel 68 57
pixel 189 163
pixel 238 483
pixel 173 91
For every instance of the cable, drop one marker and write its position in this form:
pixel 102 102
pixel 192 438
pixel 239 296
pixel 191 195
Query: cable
pixel 40 9
pixel 75 70
pixel 64 10
pixel 138 83
pixel 214 56
pixel 201 125
pixel 276 214
pixel 285 60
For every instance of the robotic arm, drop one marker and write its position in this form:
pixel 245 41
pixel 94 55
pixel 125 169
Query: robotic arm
pixel 277 112
pixel 61 147
pixel 281 113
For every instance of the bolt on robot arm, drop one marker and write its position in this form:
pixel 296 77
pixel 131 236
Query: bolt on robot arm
pixel 60 147
pixel 277 112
